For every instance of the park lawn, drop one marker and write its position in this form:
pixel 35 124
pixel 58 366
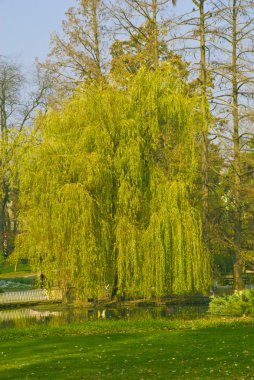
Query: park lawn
pixel 22 277
pixel 8 271
pixel 157 349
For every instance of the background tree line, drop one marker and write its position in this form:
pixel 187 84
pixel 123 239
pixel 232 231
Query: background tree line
pixel 207 57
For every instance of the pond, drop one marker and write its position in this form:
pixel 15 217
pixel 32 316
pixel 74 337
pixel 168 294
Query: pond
pixel 58 314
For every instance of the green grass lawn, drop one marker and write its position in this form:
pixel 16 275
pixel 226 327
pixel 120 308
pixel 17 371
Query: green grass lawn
pixel 8 271
pixel 155 349
pixel 21 279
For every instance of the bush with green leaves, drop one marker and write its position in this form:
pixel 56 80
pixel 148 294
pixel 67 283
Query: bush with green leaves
pixel 238 304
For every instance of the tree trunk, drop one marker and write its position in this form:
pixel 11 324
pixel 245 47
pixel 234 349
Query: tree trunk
pixel 204 111
pixel 155 35
pixel 238 272
pixel 238 264
pixel 113 224
pixel 96 36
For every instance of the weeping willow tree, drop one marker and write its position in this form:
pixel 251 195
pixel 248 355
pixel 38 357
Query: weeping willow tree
pixel 106 193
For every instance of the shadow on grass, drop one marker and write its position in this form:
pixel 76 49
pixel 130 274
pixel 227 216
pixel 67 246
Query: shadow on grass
pixel 209 353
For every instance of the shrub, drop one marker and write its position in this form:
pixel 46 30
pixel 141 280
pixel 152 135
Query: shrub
pixel 238 304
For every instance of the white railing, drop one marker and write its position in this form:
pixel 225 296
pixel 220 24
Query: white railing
pixel 30 296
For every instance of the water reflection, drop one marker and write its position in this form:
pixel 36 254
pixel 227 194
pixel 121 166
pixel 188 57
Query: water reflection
pixel 58 315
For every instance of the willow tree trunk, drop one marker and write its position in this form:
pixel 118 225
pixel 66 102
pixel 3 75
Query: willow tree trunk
pixel 113 223
pixel 238 264
pixel 3 148
pixel 113 235
pixel 4 223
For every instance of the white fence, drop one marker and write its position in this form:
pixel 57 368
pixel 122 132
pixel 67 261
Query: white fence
pixel 30 296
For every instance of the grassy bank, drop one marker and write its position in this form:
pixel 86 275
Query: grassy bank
pixel 8 271
pixel 156 349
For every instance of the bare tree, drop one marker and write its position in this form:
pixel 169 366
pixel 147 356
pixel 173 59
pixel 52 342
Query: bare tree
pixel 233 71
pixel 78 53
pixel 144 25
pixel 190 33
pixel 15 114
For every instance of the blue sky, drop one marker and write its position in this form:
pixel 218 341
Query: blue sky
pixel 25 27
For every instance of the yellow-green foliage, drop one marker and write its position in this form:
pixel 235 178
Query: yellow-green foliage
pixel 105 194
